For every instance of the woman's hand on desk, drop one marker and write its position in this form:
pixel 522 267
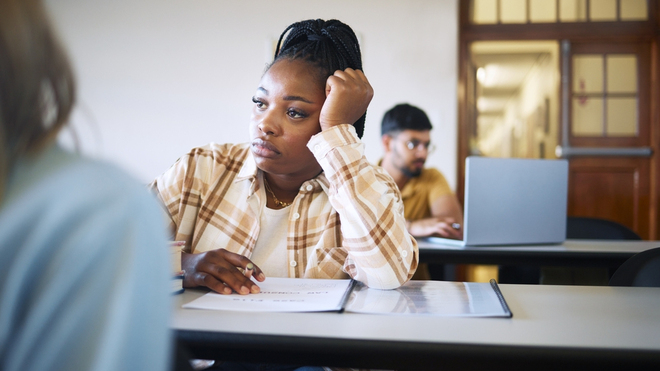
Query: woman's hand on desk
pixel 436 226
pixel 219 271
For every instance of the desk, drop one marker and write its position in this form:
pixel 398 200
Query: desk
pixel 585 253
pixel 553 327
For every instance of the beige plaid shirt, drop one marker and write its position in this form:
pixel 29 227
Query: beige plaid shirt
pixel 347 221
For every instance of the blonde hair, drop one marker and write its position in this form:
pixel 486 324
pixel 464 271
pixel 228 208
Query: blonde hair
pixel 37 89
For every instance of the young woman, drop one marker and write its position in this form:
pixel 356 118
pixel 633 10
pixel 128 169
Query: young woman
pixel 84 269
pixel 299 200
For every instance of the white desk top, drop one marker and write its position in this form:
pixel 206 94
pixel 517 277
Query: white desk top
pixel 544 316
pixel 591 246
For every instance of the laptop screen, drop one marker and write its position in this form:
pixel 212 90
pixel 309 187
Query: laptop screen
pixel 515 201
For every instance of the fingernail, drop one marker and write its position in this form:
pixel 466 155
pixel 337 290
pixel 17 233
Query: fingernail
pixel 261 276
pixel 255 289
pixel 227 290
pixel 244 290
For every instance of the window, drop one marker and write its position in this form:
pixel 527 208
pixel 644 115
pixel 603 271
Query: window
pixel 549 11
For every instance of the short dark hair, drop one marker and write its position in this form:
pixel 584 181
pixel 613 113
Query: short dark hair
pixel 329 45
pixel 404 117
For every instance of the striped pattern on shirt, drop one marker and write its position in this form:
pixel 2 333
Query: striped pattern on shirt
pixel 346 222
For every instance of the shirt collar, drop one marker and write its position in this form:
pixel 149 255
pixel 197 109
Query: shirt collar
pixel 249 169
pixel 250 172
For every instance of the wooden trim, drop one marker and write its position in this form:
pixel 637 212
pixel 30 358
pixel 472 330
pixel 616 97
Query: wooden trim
pixel 654 196
pixel 579 31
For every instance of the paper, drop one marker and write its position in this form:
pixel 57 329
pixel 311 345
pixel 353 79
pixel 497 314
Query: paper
pixel 282 295
pixel 437 298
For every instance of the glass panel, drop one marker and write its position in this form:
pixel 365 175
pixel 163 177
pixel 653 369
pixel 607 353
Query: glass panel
pixel 621 73
pixel 587 117
pixel 484 11
pixel 602 10
pixel 513 11
pixel 633 10
pixel 572 10
pixel 622 117
pixel 587 73
pixel 542 11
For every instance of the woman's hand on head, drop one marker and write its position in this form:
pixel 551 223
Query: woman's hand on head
pixel 348 94
pixel 219 271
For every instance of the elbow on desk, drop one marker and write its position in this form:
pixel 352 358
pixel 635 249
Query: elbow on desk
pixel 400 271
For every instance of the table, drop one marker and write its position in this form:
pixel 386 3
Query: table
pixel 553 327
pixel 586 253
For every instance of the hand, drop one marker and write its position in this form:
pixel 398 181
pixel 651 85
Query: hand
pixel 218 270
pixel 435 226
pixel 348 94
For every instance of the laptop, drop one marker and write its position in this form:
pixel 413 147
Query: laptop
pixel 511 201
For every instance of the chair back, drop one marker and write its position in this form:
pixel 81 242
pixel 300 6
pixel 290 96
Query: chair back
pixel 597 229
pixel 641 269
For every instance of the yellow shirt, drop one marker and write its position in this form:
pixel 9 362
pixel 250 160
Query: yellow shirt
pixel 420 192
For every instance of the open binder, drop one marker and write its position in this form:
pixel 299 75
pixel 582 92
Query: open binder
pixel 437 298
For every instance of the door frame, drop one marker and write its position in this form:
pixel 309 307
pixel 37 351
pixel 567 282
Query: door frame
pixel 579 32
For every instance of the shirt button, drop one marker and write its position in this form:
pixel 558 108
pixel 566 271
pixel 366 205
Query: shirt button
pixel 309 187
pixel 404 253
pixel 317 147
pixel 296 216
pixel 293 263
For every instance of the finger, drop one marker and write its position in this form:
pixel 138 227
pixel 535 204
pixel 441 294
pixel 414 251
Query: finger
pixel 358 80
pixel 347 74
pixel 215 264
pixel 207 280
pixel 355 75
pixel 251 270
pixel 361 76
pixel 442 232
pixel 236 260
pixel 450 231
pixel 258 274
pixel 333 82
pixel 235 279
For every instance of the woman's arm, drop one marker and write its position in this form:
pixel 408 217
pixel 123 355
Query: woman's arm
pixel 381 252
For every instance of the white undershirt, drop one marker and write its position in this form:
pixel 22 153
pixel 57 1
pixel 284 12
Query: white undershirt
pixel 270 253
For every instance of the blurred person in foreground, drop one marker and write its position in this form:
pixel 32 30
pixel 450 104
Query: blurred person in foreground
pixel 84 273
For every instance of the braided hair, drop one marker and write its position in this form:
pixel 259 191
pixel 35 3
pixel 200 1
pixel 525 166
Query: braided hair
pixel 328 45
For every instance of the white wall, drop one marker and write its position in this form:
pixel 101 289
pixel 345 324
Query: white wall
pixel 157 78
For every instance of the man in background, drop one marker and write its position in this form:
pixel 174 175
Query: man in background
pixel 430 206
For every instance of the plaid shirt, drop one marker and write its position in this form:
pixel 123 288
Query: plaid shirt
pixel 347 221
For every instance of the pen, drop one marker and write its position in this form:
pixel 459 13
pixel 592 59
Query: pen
pixel 456 225
pixel 248 270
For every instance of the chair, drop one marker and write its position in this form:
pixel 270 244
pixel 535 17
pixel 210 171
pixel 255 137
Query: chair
pixel 642 270
pixel 597 229
pixel 582 228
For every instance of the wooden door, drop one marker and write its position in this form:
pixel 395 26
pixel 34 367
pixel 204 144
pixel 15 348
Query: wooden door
pixel 606 132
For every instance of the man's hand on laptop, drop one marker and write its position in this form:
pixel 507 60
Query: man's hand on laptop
pixel 436 226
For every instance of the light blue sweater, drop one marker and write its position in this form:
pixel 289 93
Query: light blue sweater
pixel 84 269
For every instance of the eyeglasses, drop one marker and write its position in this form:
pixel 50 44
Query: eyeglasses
pixel 413 145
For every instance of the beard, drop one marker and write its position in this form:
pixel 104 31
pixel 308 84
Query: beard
pixel 410 173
